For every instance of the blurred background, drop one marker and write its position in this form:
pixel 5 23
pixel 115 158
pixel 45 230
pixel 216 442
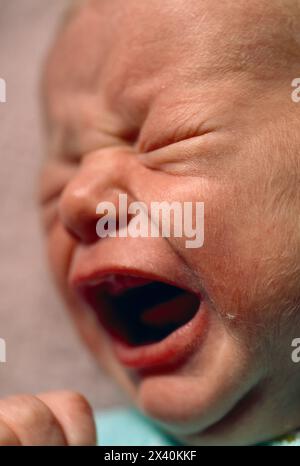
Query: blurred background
pixel 43 351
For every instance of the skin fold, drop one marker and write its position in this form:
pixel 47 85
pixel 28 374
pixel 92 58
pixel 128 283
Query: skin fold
pixel 187 101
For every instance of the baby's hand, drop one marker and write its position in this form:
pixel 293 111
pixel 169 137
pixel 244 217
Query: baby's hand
pixel 54 418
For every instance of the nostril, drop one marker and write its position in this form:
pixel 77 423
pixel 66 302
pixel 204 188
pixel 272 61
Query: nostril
pixel 86 236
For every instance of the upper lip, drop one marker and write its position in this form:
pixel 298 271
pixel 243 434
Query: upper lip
pixel 92 263
pixel 98 276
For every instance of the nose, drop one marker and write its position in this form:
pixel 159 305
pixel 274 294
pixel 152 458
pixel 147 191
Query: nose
pixel 101 177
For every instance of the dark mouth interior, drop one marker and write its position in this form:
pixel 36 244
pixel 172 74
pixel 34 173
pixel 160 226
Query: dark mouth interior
pixel 145 313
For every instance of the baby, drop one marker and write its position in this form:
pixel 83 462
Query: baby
pixel 177 101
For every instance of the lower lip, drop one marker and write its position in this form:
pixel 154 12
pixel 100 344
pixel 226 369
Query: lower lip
pixel 172 350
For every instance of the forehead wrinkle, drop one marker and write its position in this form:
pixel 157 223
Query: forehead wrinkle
pixel 131 93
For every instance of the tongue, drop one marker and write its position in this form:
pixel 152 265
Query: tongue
pixel 178 310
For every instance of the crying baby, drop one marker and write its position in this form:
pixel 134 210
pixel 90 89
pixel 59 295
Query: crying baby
pixel 178 102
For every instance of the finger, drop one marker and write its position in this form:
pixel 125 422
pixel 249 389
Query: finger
pixel 74 414
pixel 31 421
pixel 8 436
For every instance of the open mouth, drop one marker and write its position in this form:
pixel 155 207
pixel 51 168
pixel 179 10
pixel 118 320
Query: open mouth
pixel 137 311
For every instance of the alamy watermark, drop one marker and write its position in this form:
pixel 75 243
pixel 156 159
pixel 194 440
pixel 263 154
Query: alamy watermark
pixel 161 219
pixel 295 355
pixel 2 350
pixel 295 95
pixel 2 91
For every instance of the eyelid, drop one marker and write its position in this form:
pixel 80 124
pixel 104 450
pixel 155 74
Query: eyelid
pixel 172 153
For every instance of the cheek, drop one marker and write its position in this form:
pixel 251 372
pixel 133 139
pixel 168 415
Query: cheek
pixel 241 250
pixel 249 259
pixel 60 247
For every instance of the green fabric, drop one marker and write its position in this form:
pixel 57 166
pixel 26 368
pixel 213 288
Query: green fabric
pixel 128 427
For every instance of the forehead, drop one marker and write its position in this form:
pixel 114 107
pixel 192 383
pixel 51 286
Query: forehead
pixel 126 47
pixel 102 29
pixel 119 42
pixel 114 58
pixel 133 53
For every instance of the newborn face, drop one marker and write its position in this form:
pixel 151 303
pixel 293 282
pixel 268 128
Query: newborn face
pixel 165 101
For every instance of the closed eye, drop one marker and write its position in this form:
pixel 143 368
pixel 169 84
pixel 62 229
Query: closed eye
pixel 185 157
